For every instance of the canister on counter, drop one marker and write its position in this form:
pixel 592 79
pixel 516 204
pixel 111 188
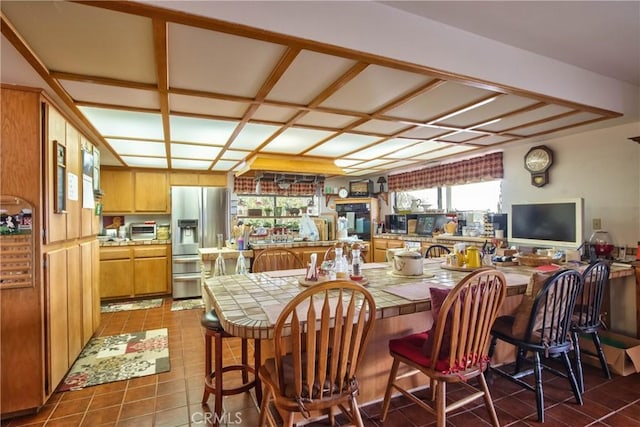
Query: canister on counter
pixel 162 233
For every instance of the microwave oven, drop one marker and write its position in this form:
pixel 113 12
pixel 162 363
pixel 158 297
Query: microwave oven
pixel 396 224
pixel 142 231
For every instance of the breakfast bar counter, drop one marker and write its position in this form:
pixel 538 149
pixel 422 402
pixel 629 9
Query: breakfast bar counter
pixel 248 305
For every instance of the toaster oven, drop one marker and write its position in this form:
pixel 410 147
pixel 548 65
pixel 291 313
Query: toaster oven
pixel 142 231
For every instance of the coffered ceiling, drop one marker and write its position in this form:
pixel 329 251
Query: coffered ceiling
pixel 166 89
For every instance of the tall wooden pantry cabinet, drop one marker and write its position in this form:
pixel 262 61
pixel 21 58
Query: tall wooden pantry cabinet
pixel 49 262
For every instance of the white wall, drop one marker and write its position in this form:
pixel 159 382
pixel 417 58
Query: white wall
pixel 601 166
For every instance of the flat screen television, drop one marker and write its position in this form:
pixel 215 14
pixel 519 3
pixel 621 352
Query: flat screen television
pixel 552 223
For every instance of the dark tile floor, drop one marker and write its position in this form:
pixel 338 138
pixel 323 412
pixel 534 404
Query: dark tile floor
pixel 173 398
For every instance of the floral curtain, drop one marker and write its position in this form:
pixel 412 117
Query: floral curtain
pixel 483 168
pixel 247 186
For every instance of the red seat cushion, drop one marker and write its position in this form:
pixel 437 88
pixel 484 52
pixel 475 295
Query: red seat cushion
pixel 411 346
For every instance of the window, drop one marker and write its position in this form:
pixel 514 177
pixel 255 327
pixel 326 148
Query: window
pixel 270 211
pixel 477 196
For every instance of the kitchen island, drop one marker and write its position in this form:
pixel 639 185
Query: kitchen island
pixel 248 304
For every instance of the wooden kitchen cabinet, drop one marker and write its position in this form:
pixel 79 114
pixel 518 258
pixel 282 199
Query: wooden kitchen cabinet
pixel 380 247
pixel 117 187
pixel 150 270
pixel 41 322
pixel 151 192
pixel 128 191
pixel 132 271
pixel 116 272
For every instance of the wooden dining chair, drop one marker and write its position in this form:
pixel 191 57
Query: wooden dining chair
pixel 586 317
pixel 455 349
pixel 319 340
pixel 436 251
pixel 541 327
pixel 272 259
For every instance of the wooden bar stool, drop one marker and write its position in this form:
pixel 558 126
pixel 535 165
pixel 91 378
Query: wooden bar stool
pixel 213 381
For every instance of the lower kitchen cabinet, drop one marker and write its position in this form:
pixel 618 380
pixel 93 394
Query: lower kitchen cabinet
pixel 131 271
pixel 380 247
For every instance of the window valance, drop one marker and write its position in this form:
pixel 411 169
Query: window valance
pixel 247 186
pixel 484 168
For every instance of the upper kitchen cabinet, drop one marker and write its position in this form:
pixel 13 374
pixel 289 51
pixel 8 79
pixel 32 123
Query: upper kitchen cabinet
pixel 151 192
pixel 134 192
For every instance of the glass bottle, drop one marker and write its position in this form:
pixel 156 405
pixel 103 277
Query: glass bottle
pixel 341 266
pixel 241 265
pixel 355 260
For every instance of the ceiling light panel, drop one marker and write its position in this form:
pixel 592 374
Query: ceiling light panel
pixel 499 107
pixel 234 155
pixel 372 163
pixel 454 149
pixel 307 76
pixel 127 147
pixel 295 140
pixel 145 162
pixel 491 140
pixel 423 132
pixel 384 127
pixel 526 117
pixel 190 164
pixel 459 137
pixel 343 163
pixel 252 135
pixel 224 165
pixel 416 150
pixel 273 113
pixel 320 119
pixel 121 123
pixel 373 88
pixel 204 131
pixel 440 101
pixel 555 124
pixel 112 95
pixel 383 148
pixel 208 106
pixel 185 151
pixel 398 164
pixel 217 62
pixel 343 144
pixel 361 172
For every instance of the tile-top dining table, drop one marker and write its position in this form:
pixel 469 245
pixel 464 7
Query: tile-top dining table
pixel 249 304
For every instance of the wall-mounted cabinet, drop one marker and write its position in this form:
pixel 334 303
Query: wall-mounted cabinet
pixel 128 191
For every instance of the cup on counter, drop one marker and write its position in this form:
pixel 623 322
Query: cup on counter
pixel 499 234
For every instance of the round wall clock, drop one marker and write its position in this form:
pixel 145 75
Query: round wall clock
pixel 343 192
pixel 537 161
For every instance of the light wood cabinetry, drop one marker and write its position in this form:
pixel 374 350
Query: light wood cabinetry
pixel 117 187
pixel 131 271
pixel 127 191
pixel 151 192
pixel 380 247
pixel 43 320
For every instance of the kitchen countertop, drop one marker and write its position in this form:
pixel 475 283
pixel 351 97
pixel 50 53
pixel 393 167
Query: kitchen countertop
pixel 135 242
pixel 301 244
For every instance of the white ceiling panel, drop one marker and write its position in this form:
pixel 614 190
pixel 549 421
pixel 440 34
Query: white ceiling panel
pixel 185 151
pixel 295 140
pixel 190 164
pixel 456 149
pixel 459 136
pixel 224 165
pixel 384 127
pixel 491 140
pixel 234 154
pixel 496 108
pixel 271 113
pixel 253 135
pixel 343 144
pixel 307 76
pixel 439 101
pixel 526 118
pixel 554 124
pixel 398 164
pixel 423 132
pixel 126 147
pixel 204 131
pixel 383 148
pixel 114 95
pixel 373 88
pixel 209 60
pixel 201 105
pixel 121 123
pixel 416 149
pixel 85 40
pixel 145 162
pixel 372 163
pixel 321 119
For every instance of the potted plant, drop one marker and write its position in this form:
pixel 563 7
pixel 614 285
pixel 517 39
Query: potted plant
pixel 267 211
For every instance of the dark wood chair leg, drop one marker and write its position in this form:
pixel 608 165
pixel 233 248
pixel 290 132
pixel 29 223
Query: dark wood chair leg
pixel 603 360
pixel 257 358
pixel 572 378
pixel 207 365
pixel 537 370
pixel 245 360
pixel 576 350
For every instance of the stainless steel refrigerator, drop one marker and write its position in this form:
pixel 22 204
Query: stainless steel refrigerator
pixel 198 215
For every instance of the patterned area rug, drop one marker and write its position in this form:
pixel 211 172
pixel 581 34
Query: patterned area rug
pixel 119 357
pixel 187 304
pixel 131 305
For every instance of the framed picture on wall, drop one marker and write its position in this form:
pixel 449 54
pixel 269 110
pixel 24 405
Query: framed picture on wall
pixel 60 181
